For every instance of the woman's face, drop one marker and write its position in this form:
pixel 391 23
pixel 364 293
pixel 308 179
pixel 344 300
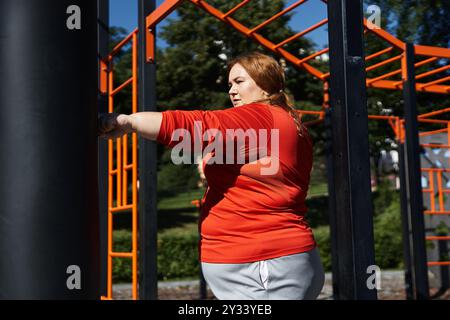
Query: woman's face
pixel 243 89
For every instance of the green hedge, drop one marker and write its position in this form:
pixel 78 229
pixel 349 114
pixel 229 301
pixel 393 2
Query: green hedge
pixel 177 255
pixel 388 239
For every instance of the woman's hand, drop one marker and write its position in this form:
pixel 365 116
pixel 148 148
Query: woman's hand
pixel 113 125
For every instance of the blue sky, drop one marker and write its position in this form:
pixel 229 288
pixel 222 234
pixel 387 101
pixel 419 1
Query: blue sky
pixel 124 13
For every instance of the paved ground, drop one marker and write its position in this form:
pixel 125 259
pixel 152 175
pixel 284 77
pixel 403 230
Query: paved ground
pixel 392 288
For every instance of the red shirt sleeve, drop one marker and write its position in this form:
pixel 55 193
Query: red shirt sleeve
pixel 197 122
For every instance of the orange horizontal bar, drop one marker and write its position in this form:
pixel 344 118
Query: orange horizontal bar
pixel 435 82
pixel 319 113
pixel 429 73
pixel 432 145
pixel 279 14
pixel 382 63
pixel 432 51
pixel 243 3
pixel 433 113
pixel 121 208
pixel 122 43
pixel 379 53
pixel 318 53
pixel 392 73
pixel 429 212
pixel 123 85
pixel 302 33
pixel 437 238
pixel 395 85
pixel 376 117
pixel 436 169
pixel 429 133
pixel 128 166
pixel 438 263
pixel 433 120
pixel 121 255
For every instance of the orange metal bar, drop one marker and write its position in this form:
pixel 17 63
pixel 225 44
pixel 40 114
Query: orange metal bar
pixel 310 112
pixel 123 85
pixel 121 254
pixel 440 195
pixel 121 208
pixel 121 44
pixel 433 204
pixel 389 74
pixel 381 33
pixel 382 63
pixel 318 53
pixel 103 77
pixel 432 51
pixel 110 192
pixel 438 263
pixel 263 41
pixel 152 20
pixel 301 33
pixel 434 145
pixel 240 5
pixel 379 53
pixel 429 133
pixel 432 120
pixel 119 172
pixel 435 82
pixel 279 14
pixel 395 85
pixel 134 162
pixel 433 113
pixel 124 170
pixel 429 73
pixel 430 238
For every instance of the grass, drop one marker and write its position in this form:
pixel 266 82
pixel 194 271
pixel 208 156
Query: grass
pixel 177 213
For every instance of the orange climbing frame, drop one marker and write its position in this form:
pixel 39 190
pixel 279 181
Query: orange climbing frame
pixel 120 167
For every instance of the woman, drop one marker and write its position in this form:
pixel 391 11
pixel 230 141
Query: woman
pixel 255 242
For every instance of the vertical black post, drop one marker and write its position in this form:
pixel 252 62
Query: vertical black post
pixel 49 227
pixel 405 224
pixel 103 50
pixel 353 227
pixel 413 179
pixel 148 282
pixel 331 205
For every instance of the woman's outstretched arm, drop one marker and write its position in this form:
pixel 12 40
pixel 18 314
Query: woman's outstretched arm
pixel 113 125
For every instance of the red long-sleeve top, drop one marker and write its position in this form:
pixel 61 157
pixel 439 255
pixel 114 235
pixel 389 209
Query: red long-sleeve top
pixel 247 214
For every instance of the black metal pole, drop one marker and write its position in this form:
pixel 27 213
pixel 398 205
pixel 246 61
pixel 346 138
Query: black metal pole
pixel 148 281
pixel 351 167
pixel 103 50
pixel 331 205
pixel 405 224
pixel 49 222
pixel 413 179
